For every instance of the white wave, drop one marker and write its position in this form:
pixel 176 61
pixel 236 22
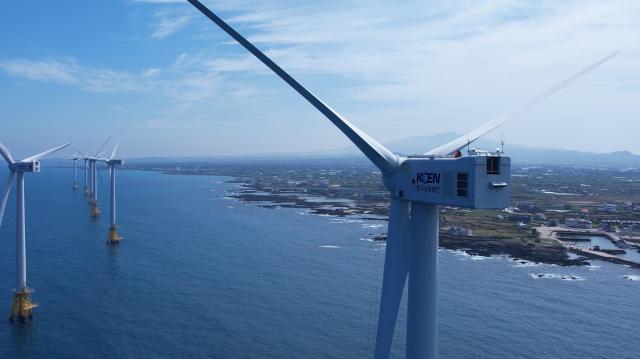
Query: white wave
pixel 633 278
pixel 372 225
pixel 571 277
pixel 523 263
pixel 329 247
pixel 555 276
pixel 459 252
pixel 476 258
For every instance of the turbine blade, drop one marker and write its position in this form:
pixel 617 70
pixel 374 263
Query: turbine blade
pixel 45 153
pixel 396 267
pixel 378 154
pixel 99 176
pixel 114 149
pixel 98 155
pixel 6 195
pixel 459 143
pixel 103 146
pixel 6 154
pixel 80 153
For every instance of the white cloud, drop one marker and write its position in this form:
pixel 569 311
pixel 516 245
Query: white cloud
pixel 167 26
pixel 41 70
pixel 150 72
pixel 386 65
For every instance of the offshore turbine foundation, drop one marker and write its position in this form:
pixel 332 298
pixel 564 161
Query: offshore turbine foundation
pixel 112 237
pixel 86 190
pixel 75 186
pixel 94 210
pixel 22 304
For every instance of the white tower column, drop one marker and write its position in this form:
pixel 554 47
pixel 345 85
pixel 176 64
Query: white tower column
pixel 112 171
pixel 94 205
pixel 21 255
pixel 112 237
pixel 86 173
pixel 422 312
pixel 95 182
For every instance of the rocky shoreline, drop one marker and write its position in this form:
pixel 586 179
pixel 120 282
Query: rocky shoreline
pixel 331 208
pixel 472 245
pixel 492 246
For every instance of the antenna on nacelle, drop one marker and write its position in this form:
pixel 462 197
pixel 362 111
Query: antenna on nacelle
pixel 502 138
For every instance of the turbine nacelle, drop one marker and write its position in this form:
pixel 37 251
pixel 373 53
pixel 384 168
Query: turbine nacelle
pixel 32 166
pixel 477 181
pixel 116 161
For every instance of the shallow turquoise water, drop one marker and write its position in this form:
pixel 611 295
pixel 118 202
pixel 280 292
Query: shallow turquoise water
pixel 199 275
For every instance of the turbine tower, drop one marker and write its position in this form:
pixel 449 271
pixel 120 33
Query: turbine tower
pixel 112 237
pixel 95 212
pixel 75 159
pixel 21 302
pixel 417 185
pixel 86 170
pixel 90 164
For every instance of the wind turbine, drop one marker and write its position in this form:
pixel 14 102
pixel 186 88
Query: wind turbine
pixel 93 196
pixel 112 237
pixel 75 159
pixel 417 185
pixel 21 302
pixel 87 173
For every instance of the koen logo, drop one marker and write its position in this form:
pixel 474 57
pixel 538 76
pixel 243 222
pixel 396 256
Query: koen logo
pixel 427 177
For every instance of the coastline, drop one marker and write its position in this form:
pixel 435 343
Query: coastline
pixel 371 210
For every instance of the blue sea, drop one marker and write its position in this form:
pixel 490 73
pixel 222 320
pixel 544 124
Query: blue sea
pixel 200 275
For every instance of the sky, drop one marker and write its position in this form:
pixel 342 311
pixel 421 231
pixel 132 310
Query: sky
pixel 78 71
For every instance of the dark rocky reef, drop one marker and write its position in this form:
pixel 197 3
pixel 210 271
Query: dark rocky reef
pixel 489 246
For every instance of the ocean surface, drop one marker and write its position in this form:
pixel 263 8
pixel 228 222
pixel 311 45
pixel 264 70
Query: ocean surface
pixel 201 275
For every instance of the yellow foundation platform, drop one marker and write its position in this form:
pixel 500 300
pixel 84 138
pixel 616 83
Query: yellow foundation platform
pixel 90 198
pixel 22 304
pixel 86 191
pixel 113 238
pixel 94 210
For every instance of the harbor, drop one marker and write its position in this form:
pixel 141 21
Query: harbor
pixel 607 247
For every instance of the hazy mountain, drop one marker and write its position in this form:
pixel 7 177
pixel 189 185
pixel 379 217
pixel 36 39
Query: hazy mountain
pixel 419 145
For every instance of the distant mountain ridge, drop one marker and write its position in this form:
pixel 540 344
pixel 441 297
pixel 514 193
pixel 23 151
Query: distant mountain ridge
pixel 421 144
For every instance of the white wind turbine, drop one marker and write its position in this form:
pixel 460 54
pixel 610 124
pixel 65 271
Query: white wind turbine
pixel 93 196
pixel 75 158
pixel 417 185
pixel 21 303
pixel 112 237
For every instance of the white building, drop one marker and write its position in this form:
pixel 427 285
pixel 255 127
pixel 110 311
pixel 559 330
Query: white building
pixel 633 231
pixel 609 207
pixel 459 231
pixel 578 223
